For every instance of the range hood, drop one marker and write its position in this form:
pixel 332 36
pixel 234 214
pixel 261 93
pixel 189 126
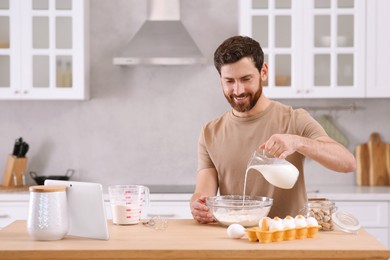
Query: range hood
pixel 162 39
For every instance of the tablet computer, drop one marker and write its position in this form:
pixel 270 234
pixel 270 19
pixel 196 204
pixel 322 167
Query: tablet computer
pixel 86 210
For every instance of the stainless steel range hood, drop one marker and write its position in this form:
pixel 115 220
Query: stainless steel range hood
pixel 162 39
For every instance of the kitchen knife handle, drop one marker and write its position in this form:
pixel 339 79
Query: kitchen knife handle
pixel 33 175
pixel 69 173
pixel 23 150
pixel 17 145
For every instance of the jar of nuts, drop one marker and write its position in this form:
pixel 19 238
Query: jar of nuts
pixel 322 210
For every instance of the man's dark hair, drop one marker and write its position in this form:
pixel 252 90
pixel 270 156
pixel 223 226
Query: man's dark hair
pixel 235 48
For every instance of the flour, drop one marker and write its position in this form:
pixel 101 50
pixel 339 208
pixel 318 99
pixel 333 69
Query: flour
pixel 125 214
pixel 245 217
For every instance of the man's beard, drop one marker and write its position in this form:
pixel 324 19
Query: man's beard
pixel 244 107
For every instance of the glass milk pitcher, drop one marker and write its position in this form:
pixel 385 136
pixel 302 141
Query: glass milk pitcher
pixel 278 172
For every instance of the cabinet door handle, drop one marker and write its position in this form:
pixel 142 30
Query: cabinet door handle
pixel 25 92
pixel 16 92
pixel 4 216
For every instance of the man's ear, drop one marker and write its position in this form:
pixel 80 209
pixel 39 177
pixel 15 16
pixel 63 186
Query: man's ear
pixel 264 72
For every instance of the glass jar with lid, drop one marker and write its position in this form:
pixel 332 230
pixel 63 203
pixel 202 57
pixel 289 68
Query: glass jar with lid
pixel 322 210
pixel 327 216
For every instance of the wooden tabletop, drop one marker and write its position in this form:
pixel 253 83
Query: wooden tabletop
pixel 186 239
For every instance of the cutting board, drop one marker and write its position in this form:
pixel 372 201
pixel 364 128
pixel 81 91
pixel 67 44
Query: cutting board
pixel 362 165
pixel 373 162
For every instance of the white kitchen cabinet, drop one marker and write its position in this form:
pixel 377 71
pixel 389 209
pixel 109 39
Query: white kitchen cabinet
pixel 314 49
pixel 11 211
pixel 372 215
pixel 167 209
pixel 14 206
pixel 378 52
pixel 43 50
pixel 162 209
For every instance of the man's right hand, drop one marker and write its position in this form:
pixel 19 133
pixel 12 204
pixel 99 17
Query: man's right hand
pixel 200 212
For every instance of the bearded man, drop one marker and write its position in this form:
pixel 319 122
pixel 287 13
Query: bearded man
pixel 256 122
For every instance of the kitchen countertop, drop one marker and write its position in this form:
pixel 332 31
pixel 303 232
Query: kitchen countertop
pixel 171 188
pixel 177 189
pixel 157 192
pixel 184 193
pixel 186 239
pixel 24 196
pixel 350 193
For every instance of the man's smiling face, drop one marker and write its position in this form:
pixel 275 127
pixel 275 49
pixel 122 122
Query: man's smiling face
pixel 242 84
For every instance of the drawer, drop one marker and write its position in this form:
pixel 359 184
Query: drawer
pixel 164 209
pixel 11 211
pixel 381 234
pixel 369 213
pixel 5 219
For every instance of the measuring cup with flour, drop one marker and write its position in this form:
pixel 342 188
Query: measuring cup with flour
pixel 127 202
pixel 278 172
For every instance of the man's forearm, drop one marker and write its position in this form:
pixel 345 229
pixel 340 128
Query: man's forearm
pixel 330 154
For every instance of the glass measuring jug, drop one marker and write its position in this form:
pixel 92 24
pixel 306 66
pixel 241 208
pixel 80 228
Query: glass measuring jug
pixel 278 172
pixel 127 203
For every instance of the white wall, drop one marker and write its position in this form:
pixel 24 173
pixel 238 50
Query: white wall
pixel 142 123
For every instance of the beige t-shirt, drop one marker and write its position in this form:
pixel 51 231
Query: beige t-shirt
pixel 227 143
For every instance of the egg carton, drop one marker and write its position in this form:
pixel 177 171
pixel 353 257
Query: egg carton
pixel 256 234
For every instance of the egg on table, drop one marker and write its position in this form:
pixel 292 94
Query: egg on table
pixel 235 231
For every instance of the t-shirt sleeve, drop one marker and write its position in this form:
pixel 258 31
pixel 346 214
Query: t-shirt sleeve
pixel 307 126
pixel 204 160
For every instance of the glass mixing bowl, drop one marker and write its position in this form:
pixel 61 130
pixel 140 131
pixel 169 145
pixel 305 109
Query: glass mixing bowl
pixel 246 211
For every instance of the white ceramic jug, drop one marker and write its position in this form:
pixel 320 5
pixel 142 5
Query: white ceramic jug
pixel 48 215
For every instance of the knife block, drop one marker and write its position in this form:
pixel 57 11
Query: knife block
pixel 14 171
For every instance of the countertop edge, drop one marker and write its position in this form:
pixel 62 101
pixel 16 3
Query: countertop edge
pixel 332 192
